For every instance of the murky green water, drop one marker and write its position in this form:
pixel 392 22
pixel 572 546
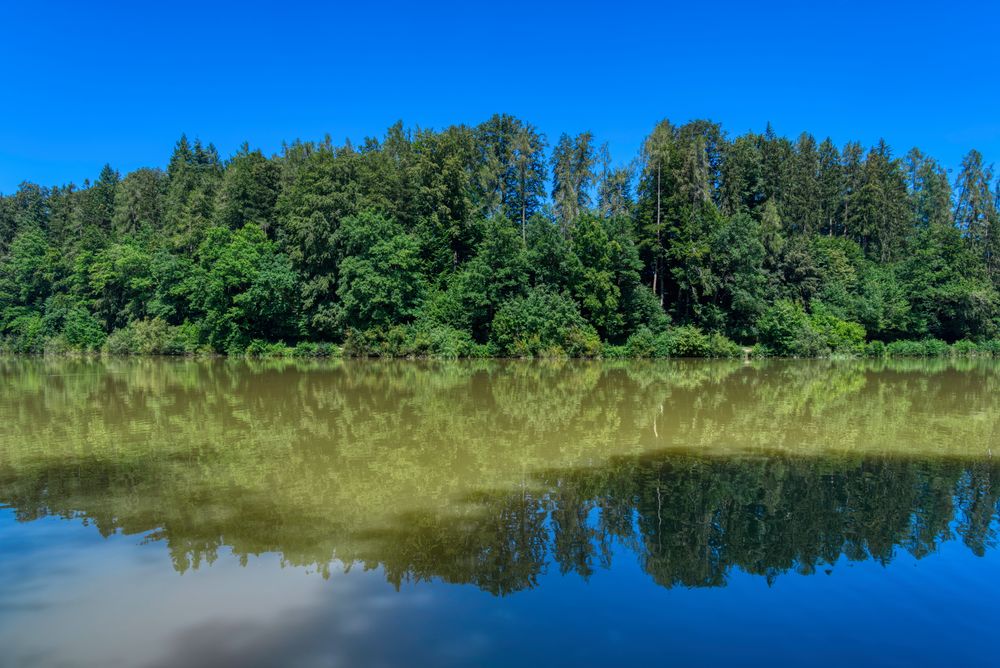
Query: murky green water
pixel 165 512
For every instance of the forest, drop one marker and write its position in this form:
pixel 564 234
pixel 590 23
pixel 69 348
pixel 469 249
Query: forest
pixel 490 241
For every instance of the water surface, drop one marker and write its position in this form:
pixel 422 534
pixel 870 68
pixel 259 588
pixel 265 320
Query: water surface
pixel 182 512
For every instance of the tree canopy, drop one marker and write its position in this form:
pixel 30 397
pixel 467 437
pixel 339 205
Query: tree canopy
pixel 491 236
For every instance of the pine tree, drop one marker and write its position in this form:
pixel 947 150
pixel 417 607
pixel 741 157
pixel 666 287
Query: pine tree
pixel 803 206
pixel 655 186
pixel 976 211
pixel 830 186
pixel 572 177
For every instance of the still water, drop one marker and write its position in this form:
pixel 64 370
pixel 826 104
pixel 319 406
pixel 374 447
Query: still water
pixel 216 513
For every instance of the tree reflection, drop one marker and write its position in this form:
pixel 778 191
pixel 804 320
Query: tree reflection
pixel 493 474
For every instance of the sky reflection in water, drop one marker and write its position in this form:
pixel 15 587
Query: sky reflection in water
pixel 218 513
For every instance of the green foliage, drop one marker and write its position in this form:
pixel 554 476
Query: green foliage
pixel 689 341
pixel 72 321
pixel 262 349
pixel 24 331
pixel 876 349
pixel 788 330
pixel 641 345
pixel 840 336
pixel 244 288
pixel 683 341
pixel 964 348
pixel 785 329
pixel 152 337
pixel 311 349
pixel 380 282
pixel 543 323
pixel 424 243
pixel 925 348
pixel 415 341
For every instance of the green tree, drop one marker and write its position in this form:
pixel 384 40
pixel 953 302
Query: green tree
pixel 573 163
pixel 249 191
pixel 244 288
pixel 380 283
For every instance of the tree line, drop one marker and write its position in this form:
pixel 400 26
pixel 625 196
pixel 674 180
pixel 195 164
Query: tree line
pixel 487 240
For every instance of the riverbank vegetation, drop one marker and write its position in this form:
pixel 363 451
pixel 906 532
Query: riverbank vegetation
pixel 488 241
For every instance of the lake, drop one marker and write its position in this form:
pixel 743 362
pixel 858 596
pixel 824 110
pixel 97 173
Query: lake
pixel 158 512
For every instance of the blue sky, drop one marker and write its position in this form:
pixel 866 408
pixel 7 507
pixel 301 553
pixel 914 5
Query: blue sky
pixel 89 83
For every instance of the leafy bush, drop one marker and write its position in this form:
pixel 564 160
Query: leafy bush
pixel 925 348
pixel 310 349
pixel 787 329
pixel 784 328
pixel 25 331
pixel 642 344
pixel 543 324
pixel 875 349
pixel 905 349
pixel 936 348
pixel 991 347
pixel 262 349
pixel 722 347
pixel 684 341
pixel 417 340
pixel 612 352
pixel 840 336
pixel 152 337
pixel 964 348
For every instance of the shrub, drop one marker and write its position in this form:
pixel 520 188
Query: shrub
pixel 840 336
pixel 905 349
pixel 691 341
pixel 935 348
pixel 784 328
pixel 641 344
pixel 81 330
pixel 925 348
pixel 25 331
pixel 991 347
pixel 417 340
pixel 787 329
pixel 684 341
pixel 875 349
pixel 612 352
pixel 965 348
pixel 152 337
pixel 722 347
pixel 311 349
pixel 58 346
pixel 262 349
pixel 543 323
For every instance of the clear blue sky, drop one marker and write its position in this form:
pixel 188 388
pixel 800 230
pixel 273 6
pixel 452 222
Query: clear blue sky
pixel 88 83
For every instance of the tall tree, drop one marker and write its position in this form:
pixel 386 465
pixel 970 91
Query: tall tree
pixel 572 177
pixel 658 155
pixel 976 211
pixel 830 186
pixel 803 206
pixel 249 191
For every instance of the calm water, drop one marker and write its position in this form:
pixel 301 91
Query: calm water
pixel 214 513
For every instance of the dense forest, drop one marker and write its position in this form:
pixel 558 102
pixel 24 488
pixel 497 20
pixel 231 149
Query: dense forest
pixel 487 240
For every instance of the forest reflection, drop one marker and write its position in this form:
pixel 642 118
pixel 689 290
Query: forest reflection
pixel 493 474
